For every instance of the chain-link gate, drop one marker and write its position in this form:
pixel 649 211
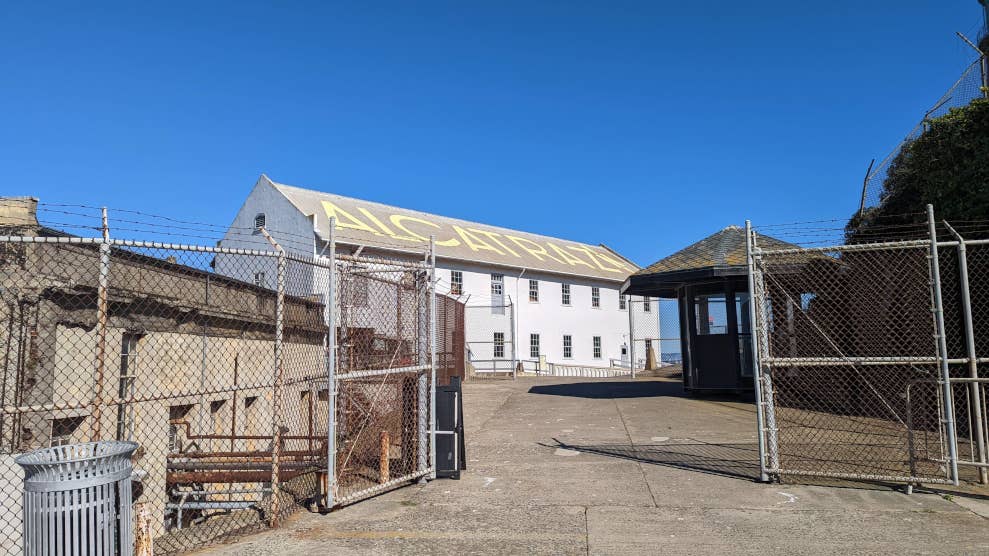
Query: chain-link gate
pixel 384 379
pixel 654 337
pixel 490 343
pixel 215 361
pixel 867 359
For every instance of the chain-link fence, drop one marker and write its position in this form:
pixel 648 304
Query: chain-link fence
pixel 490 340
pixel 654 333
pixel 869 361
pixel 971 84
pixel 215 361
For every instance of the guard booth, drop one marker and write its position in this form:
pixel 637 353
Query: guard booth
pixel 709 280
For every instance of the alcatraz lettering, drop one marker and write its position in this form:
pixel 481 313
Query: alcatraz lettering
pixel 403 227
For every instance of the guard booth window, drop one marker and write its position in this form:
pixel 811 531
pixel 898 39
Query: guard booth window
pixel 711 313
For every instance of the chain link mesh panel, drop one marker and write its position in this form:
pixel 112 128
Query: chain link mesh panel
pixel 850 363
pixel 490 339
pixel 654 329
pixel 215 362
pixel 383 377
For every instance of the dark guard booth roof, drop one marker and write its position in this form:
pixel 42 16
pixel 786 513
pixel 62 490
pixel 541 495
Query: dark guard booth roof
pixel 716 256
pixel 709 281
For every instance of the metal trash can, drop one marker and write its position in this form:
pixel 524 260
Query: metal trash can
pixel 77 500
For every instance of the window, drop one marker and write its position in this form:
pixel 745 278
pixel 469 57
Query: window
pixel 63 430
pixel 249 420
pixel 534 346
pixel 218 416
pixel 176 415
pixel 497 284
pixel 711 314
pixel 597 347
pixel 534 290
pixel 622 303
pixel 595 297
pixel 566 294
pixel 646 304
pixel 499 345
pixel 125 386
pixel 259 279
pixel 567 346
pixel 456 282
pixel 259 221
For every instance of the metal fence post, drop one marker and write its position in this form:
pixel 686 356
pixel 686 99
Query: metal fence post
pixel 769 415
pixel 973 365
pixel 756 369
pixel 276 396
pixel 432 355
pixel 102 316
pixel 942 348
pixel 511 326
pixel 422 379
pixel 630 305
pixel 331 379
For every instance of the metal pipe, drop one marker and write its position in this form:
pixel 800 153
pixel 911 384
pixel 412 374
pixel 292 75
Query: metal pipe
pixel 102 315
pixel 630 306
pixel 756 370
pixel 769 418
pixel 331 385
pixel 973 367
pixel 432 355
pixel 942 346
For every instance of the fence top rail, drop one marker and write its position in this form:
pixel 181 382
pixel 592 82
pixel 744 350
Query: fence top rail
pixel 884 246
pixel 423 265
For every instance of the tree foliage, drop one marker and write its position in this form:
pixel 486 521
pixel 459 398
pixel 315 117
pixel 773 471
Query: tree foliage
pixel 946 166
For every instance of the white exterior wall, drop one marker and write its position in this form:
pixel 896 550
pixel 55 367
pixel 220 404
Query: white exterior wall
pixel 549 317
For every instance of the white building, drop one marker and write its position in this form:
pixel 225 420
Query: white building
pixel 558 297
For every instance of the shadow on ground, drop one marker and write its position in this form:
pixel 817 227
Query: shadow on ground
pixel 736 460
pixel 602 390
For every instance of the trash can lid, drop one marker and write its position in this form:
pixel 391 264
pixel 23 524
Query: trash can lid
pixel 74 466
pixel 77 453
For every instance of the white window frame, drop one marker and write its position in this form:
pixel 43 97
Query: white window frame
pixel 567 346
pixel 456 282
pixel 498 344
pixel 596 346
pixel 595 297
pixel 534 352
pixel 565 294
pixel 622 302
pixel 497 284
pixel 533 291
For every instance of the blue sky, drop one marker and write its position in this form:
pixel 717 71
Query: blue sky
pixel 642 125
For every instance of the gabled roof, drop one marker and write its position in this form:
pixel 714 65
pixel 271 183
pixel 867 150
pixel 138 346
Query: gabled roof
pixel 720 255
pixel 722 250
pixel 375 225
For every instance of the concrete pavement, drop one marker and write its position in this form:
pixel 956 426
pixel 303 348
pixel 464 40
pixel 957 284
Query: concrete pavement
pixel 605 466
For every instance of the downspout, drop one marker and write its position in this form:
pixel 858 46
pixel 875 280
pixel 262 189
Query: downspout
pixel 515 327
